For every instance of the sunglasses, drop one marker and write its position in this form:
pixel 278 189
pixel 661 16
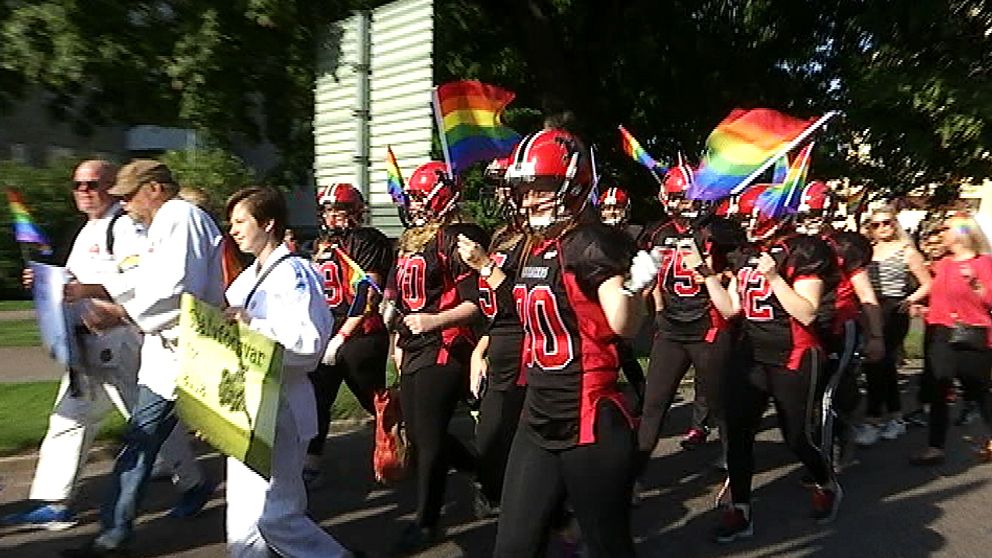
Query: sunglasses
pixel 80 185
pixel 876 224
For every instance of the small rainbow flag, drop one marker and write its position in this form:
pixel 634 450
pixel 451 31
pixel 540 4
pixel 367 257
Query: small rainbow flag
pixel 781 170
pixel 855 201
pixel 782 198
pixel 25 230
pixel 742 146
pixel 354 277
pixel 394 178
pixel 468 117
pixel 633 148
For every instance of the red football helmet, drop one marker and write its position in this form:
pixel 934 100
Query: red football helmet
pixel 816 199
pixel 758 226
pixel 433 191
pixel 552 160
pixel 496 170
pixel 672 193
pixel 340 197
pixel 614 207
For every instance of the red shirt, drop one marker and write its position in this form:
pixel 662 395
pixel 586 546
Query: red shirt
pixel 952 299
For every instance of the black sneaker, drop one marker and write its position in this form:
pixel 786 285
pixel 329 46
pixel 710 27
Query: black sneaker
pixel 414 539
pixel 482 506
pixel 93 550
pixel 734 524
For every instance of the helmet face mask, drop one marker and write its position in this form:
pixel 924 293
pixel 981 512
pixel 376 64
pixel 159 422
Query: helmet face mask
pixel 554 162
pixel 341 208
pixel 614 207
pixel 814 212
pixel 430 193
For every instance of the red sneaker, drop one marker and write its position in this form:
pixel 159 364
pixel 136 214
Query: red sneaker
pixel 734 524
pixel 826 502
pixel 694 438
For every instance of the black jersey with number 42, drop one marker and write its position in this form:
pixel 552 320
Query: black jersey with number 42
pixel 776 337
pixel 569 351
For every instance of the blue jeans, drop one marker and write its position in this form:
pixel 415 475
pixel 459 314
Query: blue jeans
pixel 151 423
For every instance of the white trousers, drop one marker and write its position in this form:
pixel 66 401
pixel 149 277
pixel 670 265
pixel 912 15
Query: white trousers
pixel 75 422
pixel 265 516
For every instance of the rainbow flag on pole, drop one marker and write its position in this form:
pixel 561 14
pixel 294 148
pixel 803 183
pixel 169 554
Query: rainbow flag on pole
pixel 25 229
pixel 468 119
pixel 394 179
pixel 354 276
pixel 745 144
pixel 633 148
pixel 782 198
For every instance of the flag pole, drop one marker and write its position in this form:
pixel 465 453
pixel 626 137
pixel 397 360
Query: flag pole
pixel 439 119
pixel 788 147
pixel 594 192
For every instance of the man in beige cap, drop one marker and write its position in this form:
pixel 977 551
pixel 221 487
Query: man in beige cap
pixel 183 256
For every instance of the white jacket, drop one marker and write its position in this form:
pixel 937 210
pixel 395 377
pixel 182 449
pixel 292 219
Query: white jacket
pixel 183 255
pixel 288 307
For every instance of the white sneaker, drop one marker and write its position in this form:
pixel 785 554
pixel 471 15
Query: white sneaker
pixel 867 435
pixel 892 429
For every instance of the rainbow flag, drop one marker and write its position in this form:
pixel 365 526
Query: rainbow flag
pixel 855 201
pixel 744 144
pixel 633 148
pixel 25 230
pixel 394 178
pixel 468 118
pixel 781 170
pixel 354 276
pixel 782 198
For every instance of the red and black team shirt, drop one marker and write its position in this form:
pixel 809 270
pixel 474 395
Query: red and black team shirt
pixel 852 254
pixel 569 351
pixel 503 326
pixel 433 280
pixel 687 314
pixel 776 338
pixel 368 248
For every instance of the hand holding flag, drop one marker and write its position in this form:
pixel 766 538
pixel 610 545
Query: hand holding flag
pixel 354 277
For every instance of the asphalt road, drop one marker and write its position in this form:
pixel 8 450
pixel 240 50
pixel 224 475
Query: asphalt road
pixel 890 509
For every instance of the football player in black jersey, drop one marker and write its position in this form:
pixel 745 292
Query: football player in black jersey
pixel 841 308
pixel 438 296
pixel 495 367
pixel 356 353
pixel 575 437
pixel 692 309
pixel 777 286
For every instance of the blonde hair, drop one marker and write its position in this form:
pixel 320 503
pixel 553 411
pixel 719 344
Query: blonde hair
pixel 901 233
pixel 969 233
pixel 415 238
pixel 197 196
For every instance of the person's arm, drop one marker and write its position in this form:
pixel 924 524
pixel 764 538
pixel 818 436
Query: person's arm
pixel 801 299
pixel 462 314
pixel 478 367
pixel 718 293
pixel 919 270
pixel 623 311
pixel 875 346
pixel 735 296
pixel 475 257
pixel 396 351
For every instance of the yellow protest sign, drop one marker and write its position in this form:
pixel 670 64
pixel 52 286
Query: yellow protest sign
pixel 229 382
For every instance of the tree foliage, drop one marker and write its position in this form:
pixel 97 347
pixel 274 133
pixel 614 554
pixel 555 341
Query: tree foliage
pixel 910 75
pixel 216 171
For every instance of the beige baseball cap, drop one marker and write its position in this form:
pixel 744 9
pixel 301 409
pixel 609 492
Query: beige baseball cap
pixel 138 172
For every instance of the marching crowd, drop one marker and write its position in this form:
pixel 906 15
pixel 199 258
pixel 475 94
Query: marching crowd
pixel 533 322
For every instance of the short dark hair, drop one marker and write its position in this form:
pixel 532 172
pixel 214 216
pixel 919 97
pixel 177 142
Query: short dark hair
pixel 263 203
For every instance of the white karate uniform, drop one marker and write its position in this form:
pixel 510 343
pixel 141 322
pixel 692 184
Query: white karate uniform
pixel 106 376
pixel 182 255
pixel 288 306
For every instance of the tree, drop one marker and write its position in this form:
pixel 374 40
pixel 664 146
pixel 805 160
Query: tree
pixel 216 171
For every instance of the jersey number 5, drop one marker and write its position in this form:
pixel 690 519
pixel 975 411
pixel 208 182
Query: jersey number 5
pixel 547 342
pixel 487 298
pixel 412 280
pixel 754 291
pixel 683 279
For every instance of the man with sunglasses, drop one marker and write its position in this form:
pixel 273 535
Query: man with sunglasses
pixel 182 255
pixel 103 255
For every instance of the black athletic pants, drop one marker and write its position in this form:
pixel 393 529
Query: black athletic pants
pixel 670 360
pixel 361 365
pixel 499 416
pixel 883 376
pixel 747 390
pixel 971 367
pixel 428 398
pixel 595 478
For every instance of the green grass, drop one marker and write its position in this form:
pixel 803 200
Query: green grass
pixel 19 333
pixel 913 344
pixel 7 305
pixel 24 410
